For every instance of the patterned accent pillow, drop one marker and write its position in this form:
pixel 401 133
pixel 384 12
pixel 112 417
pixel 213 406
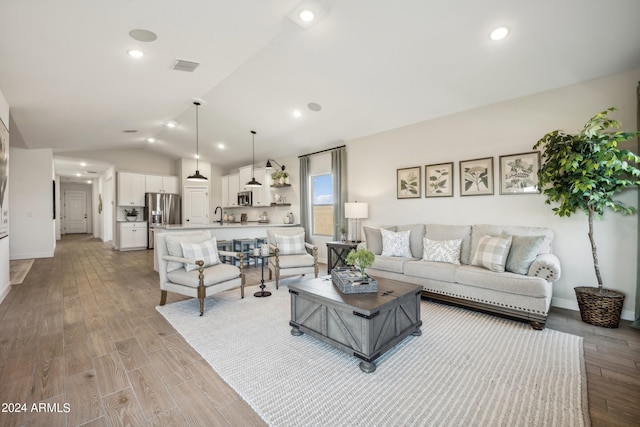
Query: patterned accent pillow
pixel 290 244
pixel 492 253
pixel 396 244
pixel 442 250
pixel 206 251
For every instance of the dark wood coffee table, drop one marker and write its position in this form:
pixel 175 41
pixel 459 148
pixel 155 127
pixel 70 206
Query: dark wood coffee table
pixel 364 325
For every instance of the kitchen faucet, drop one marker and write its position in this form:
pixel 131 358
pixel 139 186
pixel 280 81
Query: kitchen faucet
pixel 216 211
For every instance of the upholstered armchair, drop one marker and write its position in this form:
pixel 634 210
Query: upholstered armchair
pixel 189 264
pixel 292 255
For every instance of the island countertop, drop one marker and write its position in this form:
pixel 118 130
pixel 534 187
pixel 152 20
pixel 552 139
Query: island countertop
pixel 226 225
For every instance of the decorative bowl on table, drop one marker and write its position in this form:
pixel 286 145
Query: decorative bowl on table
pixel 131 218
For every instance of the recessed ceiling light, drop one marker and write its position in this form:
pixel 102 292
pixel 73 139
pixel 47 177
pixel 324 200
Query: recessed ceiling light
pixel 83 164
pixel 143 35
pixel 135 53
pixel 78 174
pixel 307 15
pixel 221 145
pixel 499 33
pixel 151 140
pixel 171 124
pixel 297 114
pixel 196 156
pixel 89 182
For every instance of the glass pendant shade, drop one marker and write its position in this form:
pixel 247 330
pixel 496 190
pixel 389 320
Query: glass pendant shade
pixel 197 177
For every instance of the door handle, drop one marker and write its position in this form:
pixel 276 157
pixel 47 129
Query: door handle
pixel 85 216
pixel 187 220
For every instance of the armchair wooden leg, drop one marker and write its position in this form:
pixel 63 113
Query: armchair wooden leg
pixel 277 277
pixel 163 297
pixel 242 282
pixel 201 289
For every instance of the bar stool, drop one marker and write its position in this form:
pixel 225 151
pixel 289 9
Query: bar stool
pixel 225 245
pixel 245 246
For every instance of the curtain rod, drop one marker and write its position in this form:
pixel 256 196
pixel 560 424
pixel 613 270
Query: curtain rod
pixel 322 151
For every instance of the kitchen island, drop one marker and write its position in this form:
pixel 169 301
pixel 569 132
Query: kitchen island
pixel 225 231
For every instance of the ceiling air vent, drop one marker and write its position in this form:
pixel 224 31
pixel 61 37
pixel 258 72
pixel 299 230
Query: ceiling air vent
pixel 90 172
pixel 181 65
pixel 130 131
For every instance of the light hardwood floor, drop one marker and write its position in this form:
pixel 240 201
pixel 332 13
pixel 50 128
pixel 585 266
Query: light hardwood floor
pixel 82 330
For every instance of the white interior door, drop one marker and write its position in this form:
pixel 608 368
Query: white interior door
pixel 75 211
pixel 196 205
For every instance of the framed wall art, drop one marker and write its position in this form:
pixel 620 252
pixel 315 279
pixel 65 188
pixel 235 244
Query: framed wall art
pixel 408 183
pixel 519 173
pixel 438 180
pixel 476 177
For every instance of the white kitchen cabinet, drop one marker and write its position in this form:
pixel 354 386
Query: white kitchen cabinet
pixel 131 188
pixel 244 177
pixel 161 184
pixel 234 188
pixel 262 195
pixel 225 191
pixel 132 235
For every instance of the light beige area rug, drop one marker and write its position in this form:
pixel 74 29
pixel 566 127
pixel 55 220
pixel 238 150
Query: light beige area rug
pixel 18 270
pixel 467 368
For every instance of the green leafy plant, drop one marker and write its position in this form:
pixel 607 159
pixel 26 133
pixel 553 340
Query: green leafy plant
pixel 361 258
pixel 585 171
pixel 131 212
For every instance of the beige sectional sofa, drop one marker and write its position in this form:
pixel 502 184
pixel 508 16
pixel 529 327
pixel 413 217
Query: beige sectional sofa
pixel 525 294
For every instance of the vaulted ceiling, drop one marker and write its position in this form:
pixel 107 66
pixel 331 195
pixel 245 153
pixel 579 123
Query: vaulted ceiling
pixel 371 65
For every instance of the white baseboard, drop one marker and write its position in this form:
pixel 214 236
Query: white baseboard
pixel 14 257
pixel 573 305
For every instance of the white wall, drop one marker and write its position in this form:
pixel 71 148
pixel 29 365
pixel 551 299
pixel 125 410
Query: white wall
pixel 31 200
pixel 5 284
pixel 501 129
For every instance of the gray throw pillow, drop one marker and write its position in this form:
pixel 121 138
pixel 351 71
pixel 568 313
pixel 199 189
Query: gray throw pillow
pixel 523 252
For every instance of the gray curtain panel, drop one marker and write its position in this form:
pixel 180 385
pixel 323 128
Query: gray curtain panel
pixel 305 217
pixel 339 170
pixel 636 324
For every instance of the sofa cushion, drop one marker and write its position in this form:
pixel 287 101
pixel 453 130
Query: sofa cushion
pixel 523 252
pixel 415 238
pixel 390 263
pixel 430 270
pixel 396 244
pixel 452 232
pixel 492 252
pixel 206 251
pixel 174 248
pixel 290 244
pixel 512 283
pixel 293 261
pixel 212 275
pixel 442 250
pixel 373 237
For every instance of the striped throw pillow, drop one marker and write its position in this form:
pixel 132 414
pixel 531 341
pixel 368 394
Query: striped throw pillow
pixel 492 253
pixel 290 244
pixel 206 251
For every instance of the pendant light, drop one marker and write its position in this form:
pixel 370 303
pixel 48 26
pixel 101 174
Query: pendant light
pixel 253 182
pixel 197 177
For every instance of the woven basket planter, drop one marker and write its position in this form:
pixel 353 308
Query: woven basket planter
pixel 599 307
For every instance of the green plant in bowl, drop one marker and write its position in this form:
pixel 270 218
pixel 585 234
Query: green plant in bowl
pixel 361 258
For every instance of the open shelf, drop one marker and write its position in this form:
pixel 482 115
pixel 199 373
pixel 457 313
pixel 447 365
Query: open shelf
pixel 280 204
pixel 280 185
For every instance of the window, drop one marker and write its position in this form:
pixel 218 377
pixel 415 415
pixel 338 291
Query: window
pixel 322 206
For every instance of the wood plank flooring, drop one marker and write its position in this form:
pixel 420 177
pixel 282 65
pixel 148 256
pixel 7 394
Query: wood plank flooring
pixel 81 338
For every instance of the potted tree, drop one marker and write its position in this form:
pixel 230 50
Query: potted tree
pixel 584 172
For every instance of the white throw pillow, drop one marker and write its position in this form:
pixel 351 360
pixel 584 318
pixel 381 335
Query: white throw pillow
pixel 442 250
pixel 396 244
pixel 206 251
pixel 492 253
pixel 290 244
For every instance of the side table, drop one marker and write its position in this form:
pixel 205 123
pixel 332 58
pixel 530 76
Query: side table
pixel 263 259
pixel 340 250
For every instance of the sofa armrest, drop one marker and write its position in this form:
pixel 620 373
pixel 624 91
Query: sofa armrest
pixel 178 259
pixel 546 266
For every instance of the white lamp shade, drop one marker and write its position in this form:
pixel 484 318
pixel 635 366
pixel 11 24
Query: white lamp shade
pixel 356 210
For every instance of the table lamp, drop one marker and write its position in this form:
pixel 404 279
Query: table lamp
pixel 356 211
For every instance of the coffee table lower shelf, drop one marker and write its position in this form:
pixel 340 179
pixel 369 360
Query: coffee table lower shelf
pixel 363 325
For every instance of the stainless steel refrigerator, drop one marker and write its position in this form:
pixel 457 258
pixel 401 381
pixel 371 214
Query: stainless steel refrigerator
pixel 160 209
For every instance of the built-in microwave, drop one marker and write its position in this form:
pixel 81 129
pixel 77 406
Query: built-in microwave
pixel 245 198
